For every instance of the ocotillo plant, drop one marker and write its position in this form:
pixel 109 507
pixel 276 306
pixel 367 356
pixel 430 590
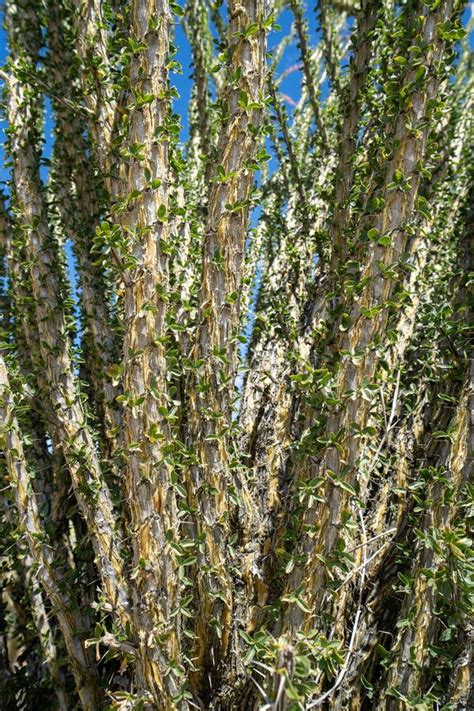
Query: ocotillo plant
pixel 234 375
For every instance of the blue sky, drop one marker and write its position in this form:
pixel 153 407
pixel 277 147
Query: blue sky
pixel 290 86
pixel 183 84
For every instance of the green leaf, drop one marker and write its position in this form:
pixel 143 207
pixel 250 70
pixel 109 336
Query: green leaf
pixel 243 100
pixel 161 212
pixel 143 99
